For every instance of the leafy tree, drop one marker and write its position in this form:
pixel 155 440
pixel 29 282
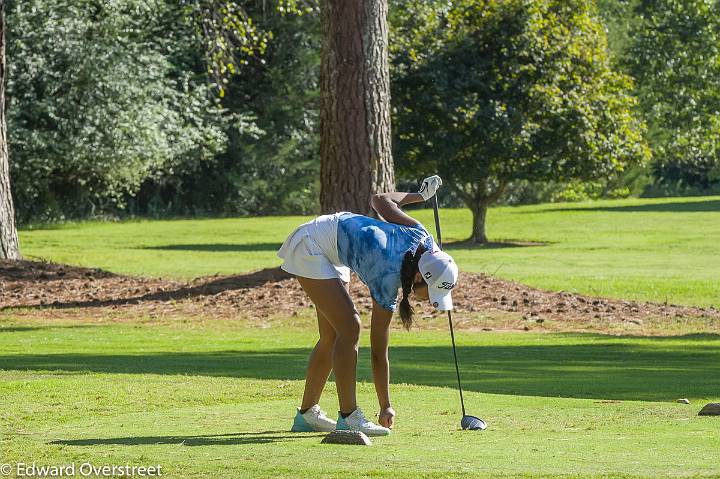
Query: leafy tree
pixel 227 33
pixel 272 168
pixel 107 94
pixel 491 92
pixel 675 57
pixel 279 170
pixel 619 18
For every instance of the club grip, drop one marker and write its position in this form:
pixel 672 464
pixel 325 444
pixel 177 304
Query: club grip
pixel 437 221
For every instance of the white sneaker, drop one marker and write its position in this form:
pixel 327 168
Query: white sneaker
pixel 314 420
pixel 357 422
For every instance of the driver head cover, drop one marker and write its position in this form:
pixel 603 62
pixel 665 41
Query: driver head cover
pixel 440 273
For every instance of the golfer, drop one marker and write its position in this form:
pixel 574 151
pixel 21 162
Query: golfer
pixel 386 256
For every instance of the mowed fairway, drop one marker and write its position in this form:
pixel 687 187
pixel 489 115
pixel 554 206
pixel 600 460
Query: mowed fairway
pixel 647 249
pixel 216 398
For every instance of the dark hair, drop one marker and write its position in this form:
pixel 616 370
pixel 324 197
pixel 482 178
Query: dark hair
pixel 407 276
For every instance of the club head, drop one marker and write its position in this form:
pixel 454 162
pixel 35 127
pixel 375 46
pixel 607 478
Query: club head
pixel 472 423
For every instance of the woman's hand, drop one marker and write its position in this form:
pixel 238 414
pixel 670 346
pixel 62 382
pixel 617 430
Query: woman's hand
pixel 430 186
pixel 386 418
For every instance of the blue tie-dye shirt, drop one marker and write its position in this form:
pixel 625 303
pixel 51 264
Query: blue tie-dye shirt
pixel 374 250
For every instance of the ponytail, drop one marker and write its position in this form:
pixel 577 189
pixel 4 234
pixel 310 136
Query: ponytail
pixel 407 275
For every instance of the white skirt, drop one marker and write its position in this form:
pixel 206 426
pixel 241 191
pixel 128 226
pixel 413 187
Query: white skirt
pixel 311 250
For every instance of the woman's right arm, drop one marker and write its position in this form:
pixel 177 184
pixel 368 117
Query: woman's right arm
pixel 379 342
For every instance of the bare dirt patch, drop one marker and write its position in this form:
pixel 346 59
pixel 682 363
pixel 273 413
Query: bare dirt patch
pixel 60 291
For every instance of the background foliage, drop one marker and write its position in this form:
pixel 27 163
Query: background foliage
pixel 165 108
pixel 102 97
pixel 270 164
pixel 490 93
pixel 675 56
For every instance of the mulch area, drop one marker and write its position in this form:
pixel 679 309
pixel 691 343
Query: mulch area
pixel 64 291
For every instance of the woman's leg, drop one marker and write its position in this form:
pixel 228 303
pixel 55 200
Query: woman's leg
pixel 319 364
pixel 333 301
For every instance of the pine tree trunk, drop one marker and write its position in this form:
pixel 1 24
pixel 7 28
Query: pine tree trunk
pixel 9 248
pixel 355 150
pixel 479 212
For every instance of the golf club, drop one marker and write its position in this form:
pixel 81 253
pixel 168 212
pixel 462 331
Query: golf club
pixel 468 422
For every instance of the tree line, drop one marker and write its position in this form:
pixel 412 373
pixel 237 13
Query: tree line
pixel 209 107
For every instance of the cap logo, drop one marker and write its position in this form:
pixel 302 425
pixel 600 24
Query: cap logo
pixel 428 275
pixel 445 285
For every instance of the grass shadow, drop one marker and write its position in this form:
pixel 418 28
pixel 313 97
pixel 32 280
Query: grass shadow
pixel 681 337
pixel 16 329
pixel 604 369
pixel 672 207
pixel 217 247
pixel 468 244
pixel 21 329
pixel 232 439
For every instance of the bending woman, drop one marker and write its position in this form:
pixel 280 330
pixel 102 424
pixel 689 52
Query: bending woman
pixel 386 256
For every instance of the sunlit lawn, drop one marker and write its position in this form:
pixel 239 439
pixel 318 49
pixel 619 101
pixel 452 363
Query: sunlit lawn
pixel 216 399
pixel 659 249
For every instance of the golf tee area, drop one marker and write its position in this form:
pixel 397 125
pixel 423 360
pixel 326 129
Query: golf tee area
pixel 588 338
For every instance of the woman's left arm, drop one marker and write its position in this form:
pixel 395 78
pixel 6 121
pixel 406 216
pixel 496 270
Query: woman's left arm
pixel 388 205
pixel 379 342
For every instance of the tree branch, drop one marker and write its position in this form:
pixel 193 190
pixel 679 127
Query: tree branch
pixel 464 195
pixel 495 195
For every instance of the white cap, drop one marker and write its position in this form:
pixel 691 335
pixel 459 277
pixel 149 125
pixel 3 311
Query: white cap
pixel 440 273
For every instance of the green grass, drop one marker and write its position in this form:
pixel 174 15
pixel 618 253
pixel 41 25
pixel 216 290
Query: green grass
pixel 215 399
pixel 657 250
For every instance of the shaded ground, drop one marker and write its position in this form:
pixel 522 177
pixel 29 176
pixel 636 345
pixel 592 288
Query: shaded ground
pixel 593 366
pixel 64 291
pixel 216 400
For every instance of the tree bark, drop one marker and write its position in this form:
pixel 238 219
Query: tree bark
pixel 478 201
pixel 355 149
pixel 479 213
pixel 9 247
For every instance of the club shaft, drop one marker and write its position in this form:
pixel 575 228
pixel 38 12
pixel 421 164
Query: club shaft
pixel 450 323
pixel 457 369
pixel 437 221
